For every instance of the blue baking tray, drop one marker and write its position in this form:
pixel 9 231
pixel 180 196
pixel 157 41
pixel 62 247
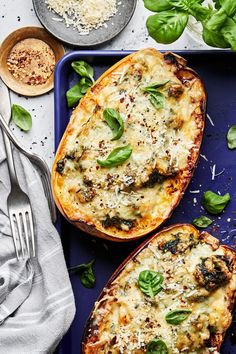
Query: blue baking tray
pixel 218 72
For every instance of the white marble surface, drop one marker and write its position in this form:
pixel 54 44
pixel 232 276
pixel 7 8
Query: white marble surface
pixel 19 13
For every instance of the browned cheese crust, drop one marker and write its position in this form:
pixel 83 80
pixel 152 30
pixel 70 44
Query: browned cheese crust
pixel 199 275
pixel 130 200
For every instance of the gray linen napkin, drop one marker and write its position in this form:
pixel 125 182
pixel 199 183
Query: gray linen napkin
pixel 36 299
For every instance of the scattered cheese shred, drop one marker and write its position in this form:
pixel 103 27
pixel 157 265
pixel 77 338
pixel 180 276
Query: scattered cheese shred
pixel 213 172
pixel 204 157
pixel 84 15
pixel 210 120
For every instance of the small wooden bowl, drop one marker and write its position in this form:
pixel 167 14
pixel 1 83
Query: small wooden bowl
pixel 5 49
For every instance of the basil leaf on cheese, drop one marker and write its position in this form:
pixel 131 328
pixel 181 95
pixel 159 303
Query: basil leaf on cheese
pixel 177 316
pixel 157 346
pixel 157 99
pixel 86 274
pixel 115 122
pixel 231 137
pixel 215 203
pixel 150 282
pixel 202 222
pixel 83 69
pixel 116 157
pixel 154 87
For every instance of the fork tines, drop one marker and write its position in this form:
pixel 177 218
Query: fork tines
pixel 23 233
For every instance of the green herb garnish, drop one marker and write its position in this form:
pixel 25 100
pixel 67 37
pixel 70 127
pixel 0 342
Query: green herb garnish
pixel 154 87
pixel 83 69
pixel 157 5
pixel 150 282
pixel 157 346
pixel 202 222
pixel 116 157
pixel 231 137
pixel 156 98
pixel 74 95
pixel 167 26
pixel 215 203
pixel 218 21
pixel 115 122
pixel 177 316
pixel 86 275
pixel 21 117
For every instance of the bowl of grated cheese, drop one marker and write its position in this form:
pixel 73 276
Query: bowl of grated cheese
pixel 84 23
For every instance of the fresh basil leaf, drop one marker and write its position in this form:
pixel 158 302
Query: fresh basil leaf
pixel 83 69
pixel 201 13
pixel 215 203
pixel 157 99
pixel 157 5
pixel 154 87
pixel 185 5
pixel 177 316
pixel 231 137
pixel 229 6
pixel 157 346
pixel 217 4
pixel 86 275
pixel 216 21
pixel 115 122
pixel 116 157
pixel 85 84
pixel 229 32
pixel 21 117
pixel 202 222
pixel 167 26
pixel 214 38
pixel 150 282
pixel 73 95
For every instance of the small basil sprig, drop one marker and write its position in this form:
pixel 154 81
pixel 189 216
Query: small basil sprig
pixel 177 316
pixel 74 95
pixel 215 203
pixel 150 282
pixel 83 69
pixel 156 98
pixel 116 157
pixel 115 122
pixel 76 92
pixel 86 275
pixel 157 346
pixel 202 222
pixel 153 87
pixel 21 117
pixel 231 137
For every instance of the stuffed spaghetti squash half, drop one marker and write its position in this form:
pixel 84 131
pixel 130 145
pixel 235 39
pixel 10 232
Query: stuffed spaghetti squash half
pixel 174 294
pixel 131 146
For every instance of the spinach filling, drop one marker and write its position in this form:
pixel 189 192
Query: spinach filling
pixel 117 222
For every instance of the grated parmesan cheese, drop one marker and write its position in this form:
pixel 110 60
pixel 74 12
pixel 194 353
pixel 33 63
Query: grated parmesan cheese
pixel 83 15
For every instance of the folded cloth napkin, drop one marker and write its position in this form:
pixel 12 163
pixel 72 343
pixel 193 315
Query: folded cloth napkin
pixel 36 299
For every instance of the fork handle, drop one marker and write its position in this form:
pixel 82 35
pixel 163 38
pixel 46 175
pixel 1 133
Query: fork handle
pixel 10 161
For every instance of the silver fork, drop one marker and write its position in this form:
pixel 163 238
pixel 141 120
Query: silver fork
pixel 20 212
pixel 39 162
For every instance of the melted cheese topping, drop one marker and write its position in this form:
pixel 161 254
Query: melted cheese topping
pixel 125 320
pixel 166 140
